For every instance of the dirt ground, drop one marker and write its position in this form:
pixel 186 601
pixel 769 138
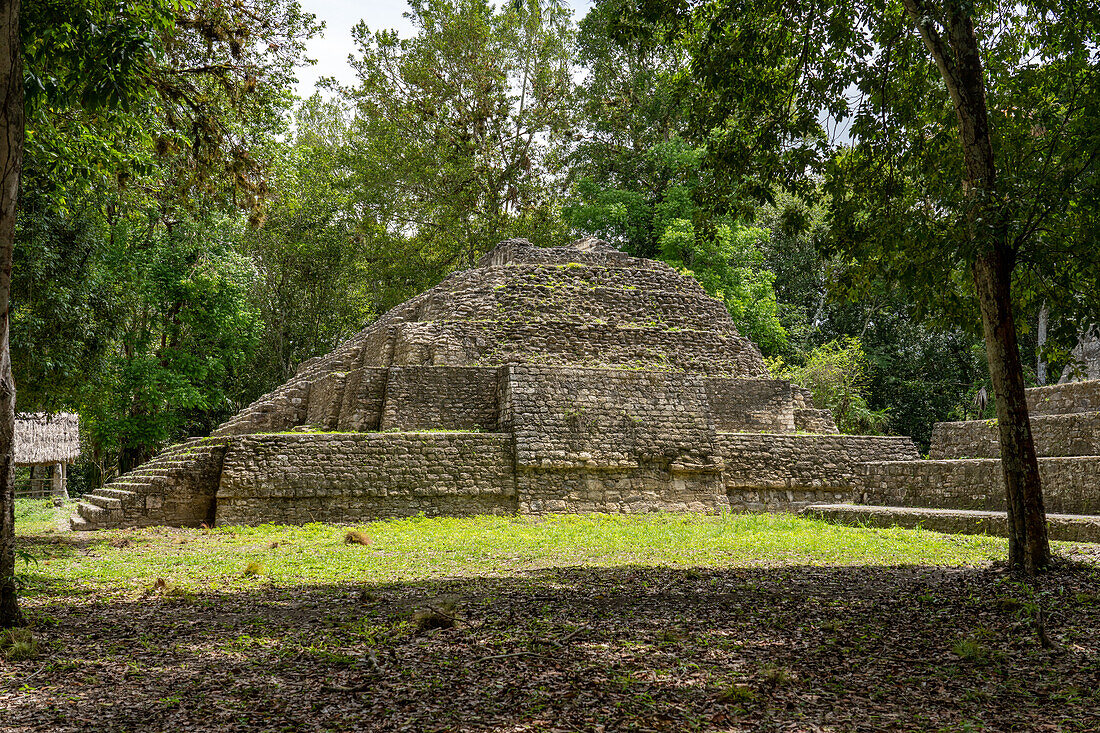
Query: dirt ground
pixel 594 649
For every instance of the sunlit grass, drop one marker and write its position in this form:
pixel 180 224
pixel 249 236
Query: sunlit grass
pixel 423 548
pixel 40 516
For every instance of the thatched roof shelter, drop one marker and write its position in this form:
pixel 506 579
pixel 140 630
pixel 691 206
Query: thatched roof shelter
pixel 46 439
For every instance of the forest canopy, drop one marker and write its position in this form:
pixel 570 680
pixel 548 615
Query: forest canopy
pixel 191 232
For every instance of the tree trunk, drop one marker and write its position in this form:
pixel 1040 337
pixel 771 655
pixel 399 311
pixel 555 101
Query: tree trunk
pixel 1028 544
pixel 1041 375
pixel 11 165
pixel 954 48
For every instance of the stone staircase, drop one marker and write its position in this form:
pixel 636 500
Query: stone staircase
pixel 176 487
pixel 961 489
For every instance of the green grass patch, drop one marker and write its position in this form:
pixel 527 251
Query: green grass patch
pixel 40 516
pixel 424 548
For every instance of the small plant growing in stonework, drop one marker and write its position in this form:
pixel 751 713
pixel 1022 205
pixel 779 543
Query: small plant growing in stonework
pixel 577 421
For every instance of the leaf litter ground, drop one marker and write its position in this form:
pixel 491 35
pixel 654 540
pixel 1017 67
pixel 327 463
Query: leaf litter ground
pixel 448 625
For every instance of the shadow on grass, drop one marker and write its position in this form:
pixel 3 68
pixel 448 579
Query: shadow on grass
pixel 621 649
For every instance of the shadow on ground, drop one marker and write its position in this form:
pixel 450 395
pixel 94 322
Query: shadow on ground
pixel 623 649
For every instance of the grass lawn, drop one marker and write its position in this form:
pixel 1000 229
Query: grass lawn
pixel 660 622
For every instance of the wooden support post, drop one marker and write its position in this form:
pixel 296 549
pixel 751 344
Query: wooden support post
pixel 58 490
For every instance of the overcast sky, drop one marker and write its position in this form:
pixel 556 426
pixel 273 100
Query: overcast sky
pixel 331 51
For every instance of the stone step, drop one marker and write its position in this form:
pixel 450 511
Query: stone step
pixel 175 464
pixel 1064 527
pixel 581 303
pixel 105 502
pixel 92 513
pixel 115 493
pixel 177 457
pixel 189 444
pixel 149 472
pixel 123 502
pixel 135 486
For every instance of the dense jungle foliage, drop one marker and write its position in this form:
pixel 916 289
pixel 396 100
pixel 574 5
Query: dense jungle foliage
pixel 179 255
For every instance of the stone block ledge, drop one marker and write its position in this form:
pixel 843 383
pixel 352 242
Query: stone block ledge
pixel 1063 527
pixel 1069 484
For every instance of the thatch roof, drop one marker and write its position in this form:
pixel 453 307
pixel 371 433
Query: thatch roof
pixel 42 438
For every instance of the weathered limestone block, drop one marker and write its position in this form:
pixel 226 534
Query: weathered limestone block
pixel 1073 434
pixel 355 477
pixel 1070 485
pixel 753 405
pixel 783 471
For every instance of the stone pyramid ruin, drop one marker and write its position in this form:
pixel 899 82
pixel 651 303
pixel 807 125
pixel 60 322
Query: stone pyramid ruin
pixel 563 379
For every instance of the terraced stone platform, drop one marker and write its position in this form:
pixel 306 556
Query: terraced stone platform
pixel 543 380
pixel 962 488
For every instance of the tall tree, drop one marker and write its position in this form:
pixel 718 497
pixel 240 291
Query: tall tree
pixel 11 160
pixel 461 130
pixel 182 75
pixel 642 185
pixel 314 283
pixel 968 164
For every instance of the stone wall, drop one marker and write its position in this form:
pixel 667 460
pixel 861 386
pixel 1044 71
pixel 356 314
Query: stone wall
pixel 754 405
pixel 326 396
pixel 1070 485
pixel 594 417
pixel 364 397
pixel 813 420
pixel 356 477
pixel 785 471
pixel 647 487
pixel 604 440
pixel 442 398
pixel 1062 399
pixel 1074 434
